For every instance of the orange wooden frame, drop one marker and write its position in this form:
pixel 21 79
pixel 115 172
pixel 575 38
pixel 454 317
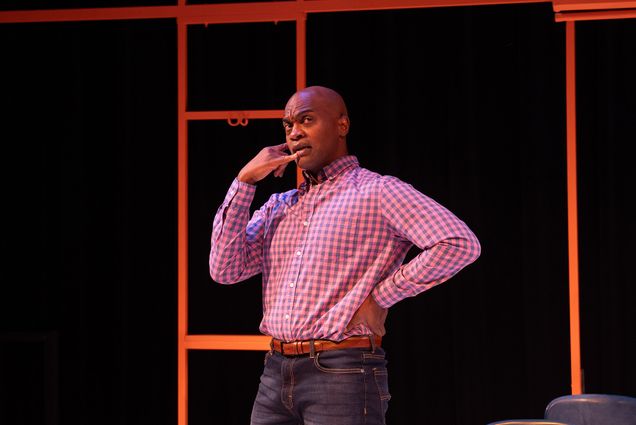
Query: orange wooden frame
pixel 573 213
pixel 297 10
pixel 573 5
pixel 588 10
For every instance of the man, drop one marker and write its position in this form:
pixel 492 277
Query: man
pixel 331 256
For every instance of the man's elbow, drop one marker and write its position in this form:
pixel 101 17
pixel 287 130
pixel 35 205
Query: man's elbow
pixel 222 278
pixel 222 275
pixel 472 249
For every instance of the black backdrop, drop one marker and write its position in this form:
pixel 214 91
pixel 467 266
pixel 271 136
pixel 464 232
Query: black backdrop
pixel 467 104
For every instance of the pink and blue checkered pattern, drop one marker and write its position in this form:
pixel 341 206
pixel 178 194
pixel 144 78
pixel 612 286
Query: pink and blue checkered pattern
pixel 322 249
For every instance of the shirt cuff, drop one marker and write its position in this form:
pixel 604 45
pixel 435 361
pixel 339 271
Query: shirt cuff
pixel 392 290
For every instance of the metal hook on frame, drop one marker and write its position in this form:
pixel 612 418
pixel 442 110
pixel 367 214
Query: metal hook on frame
pixel 235 122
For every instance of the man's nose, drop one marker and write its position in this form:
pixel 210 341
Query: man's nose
pixel 296 133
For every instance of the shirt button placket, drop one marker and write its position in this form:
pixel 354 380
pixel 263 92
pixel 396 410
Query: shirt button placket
pixel 304 230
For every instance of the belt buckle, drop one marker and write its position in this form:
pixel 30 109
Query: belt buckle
pixel 281 346
pixel 291 350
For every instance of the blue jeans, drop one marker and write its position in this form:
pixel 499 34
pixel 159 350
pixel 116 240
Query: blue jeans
pixel 339 387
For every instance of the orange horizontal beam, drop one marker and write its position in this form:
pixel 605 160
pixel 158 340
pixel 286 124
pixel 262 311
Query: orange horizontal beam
pixel 235 12
pixel 595 16
pixel 192 14
pixel 233 115
pixel 313 6
pixel 97 14
pixel 227 342
pixel 239 12
pixel 572 5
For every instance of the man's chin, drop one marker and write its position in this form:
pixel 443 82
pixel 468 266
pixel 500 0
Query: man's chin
pixel 302 163
pixel 305 165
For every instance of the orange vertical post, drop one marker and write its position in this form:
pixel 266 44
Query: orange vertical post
pixel 573 235
pixel 301 65
pixel 182 230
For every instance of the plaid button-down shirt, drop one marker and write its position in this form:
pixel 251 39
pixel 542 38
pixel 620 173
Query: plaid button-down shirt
pixel 323 248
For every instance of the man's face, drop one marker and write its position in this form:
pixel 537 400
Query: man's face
pixel 313 128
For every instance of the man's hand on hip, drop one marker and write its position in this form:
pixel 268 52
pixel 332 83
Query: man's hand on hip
pixel 371 315
pixel 271 158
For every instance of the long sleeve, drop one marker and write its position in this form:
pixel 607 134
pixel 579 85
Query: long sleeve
pixel 447 244
pixel 236 246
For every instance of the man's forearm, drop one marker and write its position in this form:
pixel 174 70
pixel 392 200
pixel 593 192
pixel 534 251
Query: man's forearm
pixel 234 253
pixel 431 267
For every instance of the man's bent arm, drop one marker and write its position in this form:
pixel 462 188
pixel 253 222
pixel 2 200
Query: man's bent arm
pixel 236 248
pixel 447 244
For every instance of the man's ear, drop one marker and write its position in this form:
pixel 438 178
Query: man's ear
pixel 343 125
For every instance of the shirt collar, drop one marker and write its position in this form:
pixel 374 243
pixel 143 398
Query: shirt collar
pixel 331 171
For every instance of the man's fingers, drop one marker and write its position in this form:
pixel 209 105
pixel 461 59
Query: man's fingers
pixel 281 163
pixel 278 172
pixel 284 159
pixel 377 329
pixel 281 147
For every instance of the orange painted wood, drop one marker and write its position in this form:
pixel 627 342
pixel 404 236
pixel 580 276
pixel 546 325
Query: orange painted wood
pixel 595 16
pixel 301 51
pixel 236 12
pixel 191 14
pixel 228 342
pixel 182 224
pixel 95 14
pixel 573 234
pixel 313 6
pixel 301 67
pixel 571 5
pixel 224 115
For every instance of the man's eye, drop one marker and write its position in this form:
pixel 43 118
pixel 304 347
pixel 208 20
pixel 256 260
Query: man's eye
pixel 306 119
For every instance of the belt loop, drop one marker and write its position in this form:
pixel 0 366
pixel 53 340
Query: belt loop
pixel 312 349
pixel 372 340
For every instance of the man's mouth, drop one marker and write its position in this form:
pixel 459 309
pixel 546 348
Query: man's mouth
pixel 302 150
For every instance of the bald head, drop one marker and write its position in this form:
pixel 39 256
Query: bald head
pixel 316 125
pixel 325 97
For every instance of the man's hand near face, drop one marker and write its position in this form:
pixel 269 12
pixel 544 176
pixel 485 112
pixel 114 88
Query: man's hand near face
pixel 269 159
pixel 371 315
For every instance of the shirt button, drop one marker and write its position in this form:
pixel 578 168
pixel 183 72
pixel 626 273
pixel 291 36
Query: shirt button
pixel 287 316
pixel 291 284
pixel 306 223
pixel 298 253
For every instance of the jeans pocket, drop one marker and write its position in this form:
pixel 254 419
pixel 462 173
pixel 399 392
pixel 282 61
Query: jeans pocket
pixel 373 356
pixel 381 377
pixel 337 364
pixel 268 355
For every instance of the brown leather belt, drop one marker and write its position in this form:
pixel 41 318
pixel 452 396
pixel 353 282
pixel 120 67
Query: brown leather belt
pixel 297 348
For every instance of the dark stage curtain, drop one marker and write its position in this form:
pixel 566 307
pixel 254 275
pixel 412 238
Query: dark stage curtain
pixel 89 196
pixel 467 104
